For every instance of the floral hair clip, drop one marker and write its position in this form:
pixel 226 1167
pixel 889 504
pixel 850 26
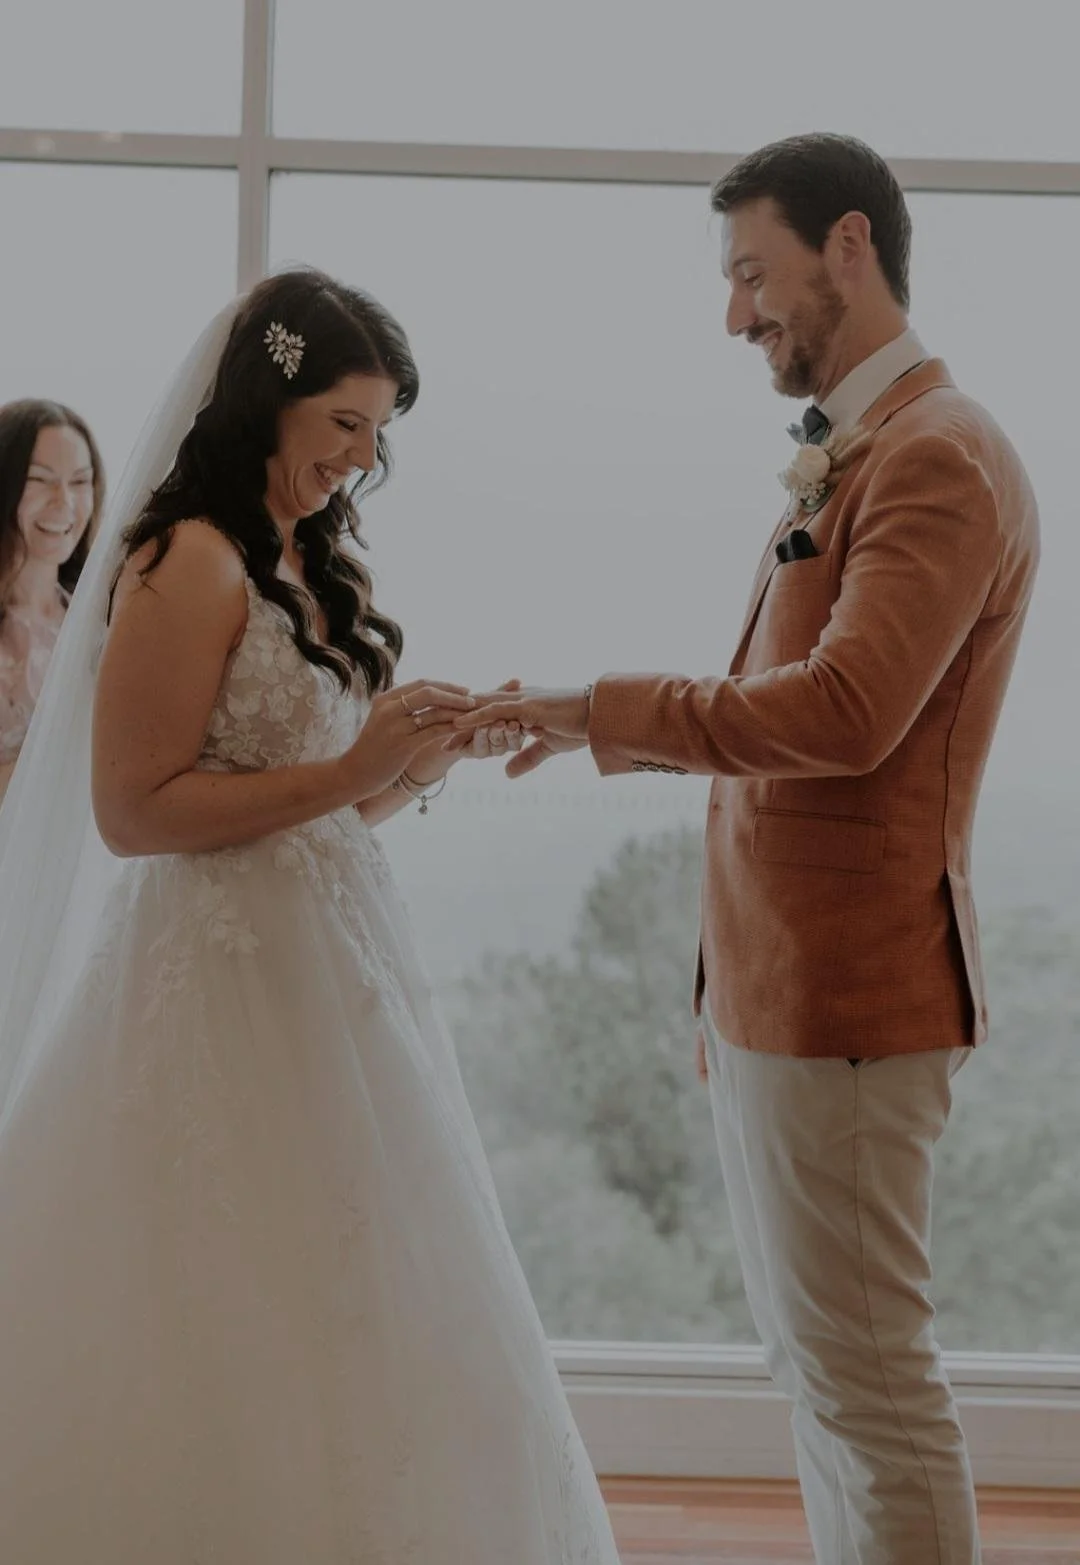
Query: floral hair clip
pixel 286 348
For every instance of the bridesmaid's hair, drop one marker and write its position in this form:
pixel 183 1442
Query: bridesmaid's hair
pixel 20 424
pixel 220 469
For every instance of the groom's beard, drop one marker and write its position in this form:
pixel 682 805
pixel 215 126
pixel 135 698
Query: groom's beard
pixel 809 333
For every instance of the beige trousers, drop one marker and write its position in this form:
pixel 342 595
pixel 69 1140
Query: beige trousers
pixel 828 1169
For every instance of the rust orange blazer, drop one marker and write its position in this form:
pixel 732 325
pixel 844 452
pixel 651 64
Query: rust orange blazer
pixel 848 741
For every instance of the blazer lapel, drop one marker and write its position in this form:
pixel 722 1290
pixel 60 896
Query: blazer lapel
pixel 931 375
pixel 757 591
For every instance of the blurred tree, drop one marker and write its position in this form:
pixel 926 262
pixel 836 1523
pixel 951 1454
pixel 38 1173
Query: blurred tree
pixel 581 1072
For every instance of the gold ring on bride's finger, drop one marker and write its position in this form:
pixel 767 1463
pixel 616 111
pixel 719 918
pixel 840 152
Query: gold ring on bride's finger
pixel 405 705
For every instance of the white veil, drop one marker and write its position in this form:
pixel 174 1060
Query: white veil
pixel 55 872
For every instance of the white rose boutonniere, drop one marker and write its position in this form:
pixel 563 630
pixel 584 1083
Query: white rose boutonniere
pixel 812 474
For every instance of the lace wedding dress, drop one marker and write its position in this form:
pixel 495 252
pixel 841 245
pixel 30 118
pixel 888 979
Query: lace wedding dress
pixel 257 1302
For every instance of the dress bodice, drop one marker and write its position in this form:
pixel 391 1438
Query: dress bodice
pixel 274 708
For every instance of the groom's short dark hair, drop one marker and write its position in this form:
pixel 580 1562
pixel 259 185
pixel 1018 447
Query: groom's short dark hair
pixel 814 180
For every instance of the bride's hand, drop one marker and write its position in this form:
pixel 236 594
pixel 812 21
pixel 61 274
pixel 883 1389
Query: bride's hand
pixel 401 725
pixel 496 739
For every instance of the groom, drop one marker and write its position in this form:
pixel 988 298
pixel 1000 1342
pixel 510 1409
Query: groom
pixel 839 985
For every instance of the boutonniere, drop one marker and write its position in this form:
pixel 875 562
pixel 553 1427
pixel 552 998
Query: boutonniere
pixel 814 471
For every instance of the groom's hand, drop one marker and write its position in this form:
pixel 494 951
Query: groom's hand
pixel 556 720
pixel 501 739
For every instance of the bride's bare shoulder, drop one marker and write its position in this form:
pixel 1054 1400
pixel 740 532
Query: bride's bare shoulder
pixel 197 559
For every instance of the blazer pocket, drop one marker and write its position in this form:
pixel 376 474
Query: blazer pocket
pixel 800 837
pixel 792 572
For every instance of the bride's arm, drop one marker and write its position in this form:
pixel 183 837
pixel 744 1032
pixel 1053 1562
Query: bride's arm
pixel 161 669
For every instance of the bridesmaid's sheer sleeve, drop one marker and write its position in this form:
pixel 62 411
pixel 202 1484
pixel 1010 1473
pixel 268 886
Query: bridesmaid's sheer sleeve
pixel 25 649
pixel 14 718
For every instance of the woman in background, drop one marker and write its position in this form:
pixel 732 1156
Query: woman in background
pixel 51 487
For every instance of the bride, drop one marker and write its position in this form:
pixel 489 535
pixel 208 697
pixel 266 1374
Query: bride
pixel 257 1302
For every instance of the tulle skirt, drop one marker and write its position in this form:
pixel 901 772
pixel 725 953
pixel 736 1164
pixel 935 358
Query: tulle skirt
pixel 257 1302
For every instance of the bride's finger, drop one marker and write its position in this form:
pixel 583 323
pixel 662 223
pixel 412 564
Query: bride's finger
pixel 425 687
pixel 430 733
pixel 428 720
pixel 494 712
pixel 438 684
pixel 429 697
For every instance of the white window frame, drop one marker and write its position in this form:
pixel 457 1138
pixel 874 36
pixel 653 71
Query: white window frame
pixel 660 1408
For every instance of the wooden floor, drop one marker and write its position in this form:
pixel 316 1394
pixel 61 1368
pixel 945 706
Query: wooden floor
pixel 700 1522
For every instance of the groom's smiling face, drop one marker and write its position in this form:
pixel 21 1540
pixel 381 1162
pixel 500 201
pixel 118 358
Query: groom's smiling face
pixel 783 297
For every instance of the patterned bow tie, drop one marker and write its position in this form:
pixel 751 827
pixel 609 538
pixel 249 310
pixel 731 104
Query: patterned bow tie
pixel 813 429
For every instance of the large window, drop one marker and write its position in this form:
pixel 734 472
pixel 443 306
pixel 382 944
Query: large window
pixel 585 484
pixel 121 65
pixel 942 81
pixel 109 275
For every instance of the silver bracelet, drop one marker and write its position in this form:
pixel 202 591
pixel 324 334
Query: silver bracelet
pixel 415 790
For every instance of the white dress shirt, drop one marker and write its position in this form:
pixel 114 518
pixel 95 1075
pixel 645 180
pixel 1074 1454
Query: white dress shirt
pixel 858 391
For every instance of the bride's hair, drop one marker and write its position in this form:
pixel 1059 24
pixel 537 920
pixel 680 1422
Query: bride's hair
pixel 220 469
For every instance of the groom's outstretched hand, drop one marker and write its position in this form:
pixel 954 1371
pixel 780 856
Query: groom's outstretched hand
pixel 556 721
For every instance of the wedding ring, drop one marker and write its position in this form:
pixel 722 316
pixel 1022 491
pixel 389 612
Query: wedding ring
pixel 405 705
pixel 418 721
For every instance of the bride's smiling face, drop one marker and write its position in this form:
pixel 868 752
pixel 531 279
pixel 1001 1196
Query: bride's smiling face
pixel 326 441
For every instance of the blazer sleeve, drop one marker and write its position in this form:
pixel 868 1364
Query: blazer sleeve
pixel 923 553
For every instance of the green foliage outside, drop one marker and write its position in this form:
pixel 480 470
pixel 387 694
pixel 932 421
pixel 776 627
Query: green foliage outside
pixel 581 1072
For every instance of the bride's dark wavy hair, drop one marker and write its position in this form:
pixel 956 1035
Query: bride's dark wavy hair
pixel 220 469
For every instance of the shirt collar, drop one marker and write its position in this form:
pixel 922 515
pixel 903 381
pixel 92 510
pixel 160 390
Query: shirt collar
pixel 858 391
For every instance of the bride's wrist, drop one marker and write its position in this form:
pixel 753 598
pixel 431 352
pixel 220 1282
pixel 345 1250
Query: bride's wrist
pixel 424 776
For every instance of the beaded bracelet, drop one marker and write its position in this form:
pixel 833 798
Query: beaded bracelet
pixel 415 790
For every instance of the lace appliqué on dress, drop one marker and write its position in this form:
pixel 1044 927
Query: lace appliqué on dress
pixel 274 708
pixel 319 852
